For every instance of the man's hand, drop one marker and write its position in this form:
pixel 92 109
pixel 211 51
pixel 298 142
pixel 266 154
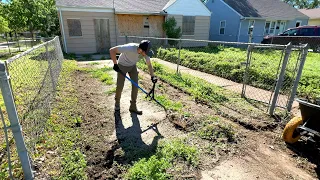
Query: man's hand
pixel 116 68
pixel 154 79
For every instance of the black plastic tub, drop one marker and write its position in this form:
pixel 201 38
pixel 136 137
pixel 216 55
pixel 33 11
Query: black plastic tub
pixel 310 114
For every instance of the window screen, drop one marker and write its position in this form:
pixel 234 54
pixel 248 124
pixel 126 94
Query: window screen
pixel 188 25
pixel 74 26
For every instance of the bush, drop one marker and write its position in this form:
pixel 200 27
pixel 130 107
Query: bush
pixel 171 31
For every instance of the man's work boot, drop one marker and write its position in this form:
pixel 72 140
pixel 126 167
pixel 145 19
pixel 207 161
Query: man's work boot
pixel 133 109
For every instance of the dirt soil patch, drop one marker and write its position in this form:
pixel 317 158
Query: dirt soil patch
pixel 112 142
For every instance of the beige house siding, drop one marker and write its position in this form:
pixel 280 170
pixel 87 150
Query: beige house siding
pixel 87 42
pixel 202 27
pixel 314 22
pixel 131 25
pixel 201 31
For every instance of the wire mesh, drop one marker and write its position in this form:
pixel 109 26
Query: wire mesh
pixel 224 64
pixel 16 43
pixel 220 63
pixel 33 77
pixel 262 72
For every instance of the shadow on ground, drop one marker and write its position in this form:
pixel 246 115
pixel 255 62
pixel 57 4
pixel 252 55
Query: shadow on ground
pixel 309 151
pixel 130 140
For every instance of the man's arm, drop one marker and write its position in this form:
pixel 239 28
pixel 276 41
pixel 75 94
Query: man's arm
pixel 113 54
pixel 148 61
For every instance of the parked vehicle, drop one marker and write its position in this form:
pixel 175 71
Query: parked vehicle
pixel 301 34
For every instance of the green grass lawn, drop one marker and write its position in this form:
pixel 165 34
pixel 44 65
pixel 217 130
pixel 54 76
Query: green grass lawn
pixel 226 62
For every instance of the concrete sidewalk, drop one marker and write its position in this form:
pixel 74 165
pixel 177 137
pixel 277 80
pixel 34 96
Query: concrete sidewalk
pixel 251 92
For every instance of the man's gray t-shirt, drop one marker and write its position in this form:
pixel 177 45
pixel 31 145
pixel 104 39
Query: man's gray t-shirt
pixel 129 54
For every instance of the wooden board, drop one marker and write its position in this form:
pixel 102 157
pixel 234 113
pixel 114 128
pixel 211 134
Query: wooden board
pixel 102 34
pixel 133 25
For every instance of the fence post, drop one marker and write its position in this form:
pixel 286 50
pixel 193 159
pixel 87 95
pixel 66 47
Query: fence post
pixel 296 82
pixel 5 129
pixel 14 122
pixel 8 43
pixel 15 33
pixel 25 42
pixel 245 76
pixel 180 41
pixel 280 78
pixel 127 39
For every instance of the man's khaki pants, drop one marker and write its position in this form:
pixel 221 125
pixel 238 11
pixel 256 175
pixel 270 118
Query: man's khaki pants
pixel 133 73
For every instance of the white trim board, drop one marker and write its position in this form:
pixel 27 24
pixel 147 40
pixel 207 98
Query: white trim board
pixel 86 9
pixel 63 33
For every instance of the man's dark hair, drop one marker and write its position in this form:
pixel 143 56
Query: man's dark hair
pixel 145 45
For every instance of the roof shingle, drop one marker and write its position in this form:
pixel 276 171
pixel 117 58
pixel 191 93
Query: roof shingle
pixel 121 6
pixel 140 6
pixel 265 9
pixel 85 3
pixel 312 13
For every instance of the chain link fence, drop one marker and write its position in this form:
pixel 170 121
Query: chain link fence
pixel 33 79
pixel 253 72
pixel 16 43
pixel 309 85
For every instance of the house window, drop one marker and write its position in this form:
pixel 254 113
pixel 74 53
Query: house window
pixel 222 27
pixel 74 26
pixel 298 23
pixel 251 26
pixel 270 27
pixel 188 24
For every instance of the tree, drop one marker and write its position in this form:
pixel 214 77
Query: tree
pixel 304 4
pixel 171 31
pixel 32 15
pixel 3 25
pixel 50 22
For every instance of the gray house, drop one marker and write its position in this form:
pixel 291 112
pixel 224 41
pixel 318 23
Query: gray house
pixel 232 20
pixel 93 26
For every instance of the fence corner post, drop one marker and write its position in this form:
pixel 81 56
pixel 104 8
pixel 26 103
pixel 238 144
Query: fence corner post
pixel 14 122
pixel 180 42
pixel 299 73
pixel 280 79
pixel 245 75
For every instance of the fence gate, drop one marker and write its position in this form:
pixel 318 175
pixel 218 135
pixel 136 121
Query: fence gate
pixel 272 74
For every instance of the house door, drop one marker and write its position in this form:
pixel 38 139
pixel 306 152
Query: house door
pixel 282 26
pixel 102 34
